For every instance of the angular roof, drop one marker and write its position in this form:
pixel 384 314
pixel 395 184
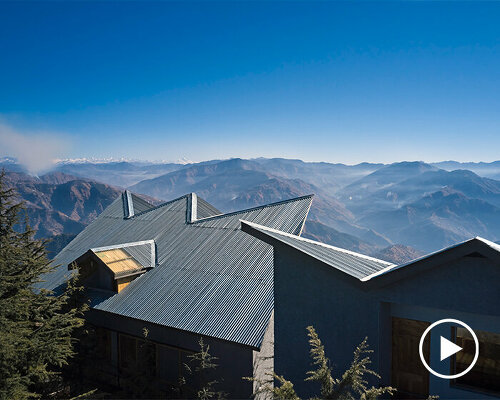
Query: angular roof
pixel 210 277
pixel 366 268
pixel 354 264
pixel 476 245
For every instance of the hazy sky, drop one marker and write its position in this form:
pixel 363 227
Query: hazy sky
pixel 342 82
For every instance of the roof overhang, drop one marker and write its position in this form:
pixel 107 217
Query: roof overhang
pixel 479 245
pixel 392 272
pixel 143 253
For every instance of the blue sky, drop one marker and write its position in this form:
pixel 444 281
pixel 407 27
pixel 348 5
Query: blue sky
pixel 330 81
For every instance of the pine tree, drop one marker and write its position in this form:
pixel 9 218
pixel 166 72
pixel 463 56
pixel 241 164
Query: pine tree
pixel 351 386
pixel 201 367
pixel 35 325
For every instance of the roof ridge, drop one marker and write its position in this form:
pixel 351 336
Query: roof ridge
pixel 486 242
pixel 160 205
pixel 328 246
pixel 123 245
pixel 232 213
pixel 139 197
pixel 493 245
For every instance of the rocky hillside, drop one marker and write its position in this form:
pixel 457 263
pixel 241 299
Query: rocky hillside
pixel 398 254
pixel 58 205
pixel 317 231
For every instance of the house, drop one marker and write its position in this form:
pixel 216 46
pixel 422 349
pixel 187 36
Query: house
pixel 348 296
pixel 159 278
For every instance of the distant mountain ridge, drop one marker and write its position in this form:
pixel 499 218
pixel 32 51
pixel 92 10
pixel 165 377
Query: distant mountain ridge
pixel 121 173
pixel 238 184
pixel 367 207
pixel 487 170
pixel 437 220
pixel 60 204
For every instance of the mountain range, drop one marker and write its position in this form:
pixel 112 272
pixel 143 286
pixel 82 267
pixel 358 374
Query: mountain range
pixel 398 211
pixel 59 205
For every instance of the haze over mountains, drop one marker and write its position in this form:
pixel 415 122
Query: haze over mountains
pixel 369 208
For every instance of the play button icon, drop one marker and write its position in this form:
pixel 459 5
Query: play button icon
pixel 447 348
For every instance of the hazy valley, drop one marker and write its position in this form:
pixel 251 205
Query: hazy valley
pixel 396 212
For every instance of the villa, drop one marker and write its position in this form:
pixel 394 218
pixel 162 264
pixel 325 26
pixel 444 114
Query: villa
pixel 160 278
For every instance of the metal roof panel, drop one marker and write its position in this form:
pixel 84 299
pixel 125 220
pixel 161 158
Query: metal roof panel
pixel 349 262
pixel 211 278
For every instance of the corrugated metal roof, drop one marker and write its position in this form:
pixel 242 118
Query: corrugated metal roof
pixel 470 242
pixel 205 209
pixel 354 264
pixel 140 205
pixel 211 278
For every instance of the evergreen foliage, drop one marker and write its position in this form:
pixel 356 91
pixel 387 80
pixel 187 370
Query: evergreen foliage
pixel 35 325
pixel 141 379
pixel 351 386
pixel 200 369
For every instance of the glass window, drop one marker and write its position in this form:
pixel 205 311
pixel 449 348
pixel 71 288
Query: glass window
pixel 486 373
pixel 103 337
pixel 128 352
pixel 168 364
pixel 146 352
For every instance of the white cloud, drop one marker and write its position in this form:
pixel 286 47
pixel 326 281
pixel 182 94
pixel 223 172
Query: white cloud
pixel 37 151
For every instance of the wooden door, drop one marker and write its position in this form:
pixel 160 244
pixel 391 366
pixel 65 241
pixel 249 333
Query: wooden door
pixel 409 375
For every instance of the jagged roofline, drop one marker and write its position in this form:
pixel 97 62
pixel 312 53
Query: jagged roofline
pixel 383 272
pixel 224 215
pixel 162 205
pixel 230 214
pixel 315 242
pixel 391 268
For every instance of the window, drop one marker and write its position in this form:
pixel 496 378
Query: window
pixel 146 353
pixel 128 352
pixel 137 355
pixel 486 373
pixel 169 367
pixel 103 337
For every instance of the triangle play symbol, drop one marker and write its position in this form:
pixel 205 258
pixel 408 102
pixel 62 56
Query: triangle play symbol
pixel 448 348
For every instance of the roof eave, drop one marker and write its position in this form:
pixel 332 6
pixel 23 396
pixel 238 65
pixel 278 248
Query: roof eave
pixel 440 257
pixel 250 228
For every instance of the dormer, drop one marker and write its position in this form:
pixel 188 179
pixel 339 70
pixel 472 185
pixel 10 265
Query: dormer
pixel 114 267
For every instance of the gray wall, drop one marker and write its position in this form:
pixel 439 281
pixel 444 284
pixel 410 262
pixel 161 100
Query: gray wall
pixel 235 361
pixel 263 364
pixel 308 292
pixel 344 311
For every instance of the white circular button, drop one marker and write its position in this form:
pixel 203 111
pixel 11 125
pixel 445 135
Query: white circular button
pixel 448 348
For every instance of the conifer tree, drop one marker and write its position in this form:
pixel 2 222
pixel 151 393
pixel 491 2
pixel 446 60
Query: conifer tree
pixel 200 369
pixel 352 385
pixel 35 325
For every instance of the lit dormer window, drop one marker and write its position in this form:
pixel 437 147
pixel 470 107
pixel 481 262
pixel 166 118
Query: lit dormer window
pixel 114 267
